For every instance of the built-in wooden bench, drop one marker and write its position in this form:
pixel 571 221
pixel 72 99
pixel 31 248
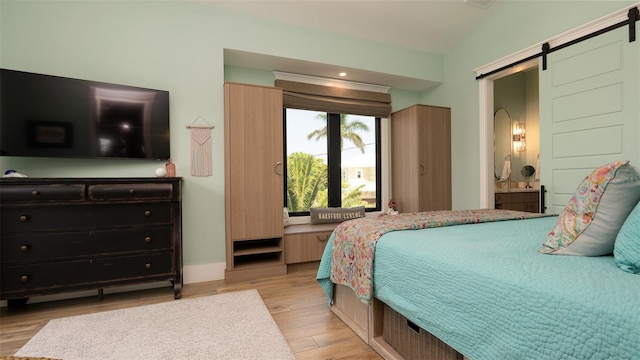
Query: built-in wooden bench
pixel 304 244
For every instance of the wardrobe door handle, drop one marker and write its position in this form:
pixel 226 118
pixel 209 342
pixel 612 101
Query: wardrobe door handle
pixel 275 167
pixel 422 170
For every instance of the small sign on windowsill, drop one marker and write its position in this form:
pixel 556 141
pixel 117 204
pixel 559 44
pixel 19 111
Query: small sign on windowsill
pixel 335 215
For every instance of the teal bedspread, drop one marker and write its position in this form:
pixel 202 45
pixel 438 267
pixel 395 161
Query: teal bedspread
pixel 486 291
pixel 354 241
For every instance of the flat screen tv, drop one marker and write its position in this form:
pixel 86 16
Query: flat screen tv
pixel 53 116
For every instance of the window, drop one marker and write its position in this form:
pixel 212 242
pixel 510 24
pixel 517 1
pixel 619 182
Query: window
pixel 332 160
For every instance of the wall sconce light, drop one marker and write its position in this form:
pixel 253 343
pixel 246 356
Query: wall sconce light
pixel 518 137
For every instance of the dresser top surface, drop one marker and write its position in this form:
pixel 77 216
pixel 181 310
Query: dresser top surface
pixel 102 180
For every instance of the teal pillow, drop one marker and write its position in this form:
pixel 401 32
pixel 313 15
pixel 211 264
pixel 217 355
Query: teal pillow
pixel 626 250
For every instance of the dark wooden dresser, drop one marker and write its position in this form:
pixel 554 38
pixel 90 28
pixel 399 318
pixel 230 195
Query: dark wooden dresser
pixel 70 234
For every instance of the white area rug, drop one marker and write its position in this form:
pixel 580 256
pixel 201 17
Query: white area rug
pixel 233 325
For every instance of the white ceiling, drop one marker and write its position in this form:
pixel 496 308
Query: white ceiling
pixel 432 26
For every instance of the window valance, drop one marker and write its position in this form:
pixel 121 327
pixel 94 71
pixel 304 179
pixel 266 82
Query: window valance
pixel 331 99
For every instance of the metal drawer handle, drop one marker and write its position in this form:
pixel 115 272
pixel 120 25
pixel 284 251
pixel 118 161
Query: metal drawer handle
pixel 24 218
pixel 147 213
pixel 131 191
pixel 35 193
pixel 24 247
pixel 24 278
pixel 147 239
pixel 147 265
pixel 326 237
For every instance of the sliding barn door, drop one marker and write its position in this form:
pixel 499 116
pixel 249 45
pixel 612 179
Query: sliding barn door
pixel 589 113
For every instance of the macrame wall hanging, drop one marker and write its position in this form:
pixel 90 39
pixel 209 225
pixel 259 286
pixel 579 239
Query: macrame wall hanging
pixel 200 147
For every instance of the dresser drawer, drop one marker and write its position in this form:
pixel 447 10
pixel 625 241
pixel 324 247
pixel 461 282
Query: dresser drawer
pixel 41 193
pixel 103 192
pixel 83 217
pixel 303 247
pixel 59 245
pixel 51 275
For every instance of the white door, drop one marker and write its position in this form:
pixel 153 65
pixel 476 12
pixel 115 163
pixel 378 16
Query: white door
pixel 589 112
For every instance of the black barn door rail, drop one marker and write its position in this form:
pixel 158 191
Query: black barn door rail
pixel 632 17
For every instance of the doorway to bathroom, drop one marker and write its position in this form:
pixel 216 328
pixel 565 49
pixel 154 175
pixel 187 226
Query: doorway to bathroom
pixel 493 164
pixel 516 141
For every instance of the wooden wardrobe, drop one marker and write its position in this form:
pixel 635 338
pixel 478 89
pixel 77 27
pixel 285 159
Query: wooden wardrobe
pixel 254 183
pixel 421 158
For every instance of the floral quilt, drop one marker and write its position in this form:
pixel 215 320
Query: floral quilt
pixel 354 241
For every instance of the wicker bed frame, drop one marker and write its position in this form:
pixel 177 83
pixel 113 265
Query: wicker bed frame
pixel 368 322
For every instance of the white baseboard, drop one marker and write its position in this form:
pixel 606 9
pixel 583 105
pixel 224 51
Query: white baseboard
pixel 201 273
pixel 191 274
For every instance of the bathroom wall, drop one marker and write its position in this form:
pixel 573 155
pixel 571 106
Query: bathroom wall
pixel 518 94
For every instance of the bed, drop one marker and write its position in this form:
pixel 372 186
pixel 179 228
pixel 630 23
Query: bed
pixel 489 291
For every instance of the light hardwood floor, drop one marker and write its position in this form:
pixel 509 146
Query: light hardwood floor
pixel 296 302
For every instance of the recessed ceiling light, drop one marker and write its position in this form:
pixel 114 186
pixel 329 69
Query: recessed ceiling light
pixel 343 74
pixel 482 4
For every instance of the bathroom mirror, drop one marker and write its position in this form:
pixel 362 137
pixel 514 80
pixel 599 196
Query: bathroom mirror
pixel 502 144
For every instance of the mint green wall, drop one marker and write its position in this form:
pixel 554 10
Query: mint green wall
pixel 401 99
pixel 176 46
pixel 248 76
pixel 511 27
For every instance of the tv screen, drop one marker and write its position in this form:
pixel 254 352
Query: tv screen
pixel 52 116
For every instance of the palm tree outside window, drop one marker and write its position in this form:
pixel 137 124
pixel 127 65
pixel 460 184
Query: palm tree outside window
pixel 324 155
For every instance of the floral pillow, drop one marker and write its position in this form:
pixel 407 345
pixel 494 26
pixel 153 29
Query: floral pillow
pixel 589 223
pixel 626 250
